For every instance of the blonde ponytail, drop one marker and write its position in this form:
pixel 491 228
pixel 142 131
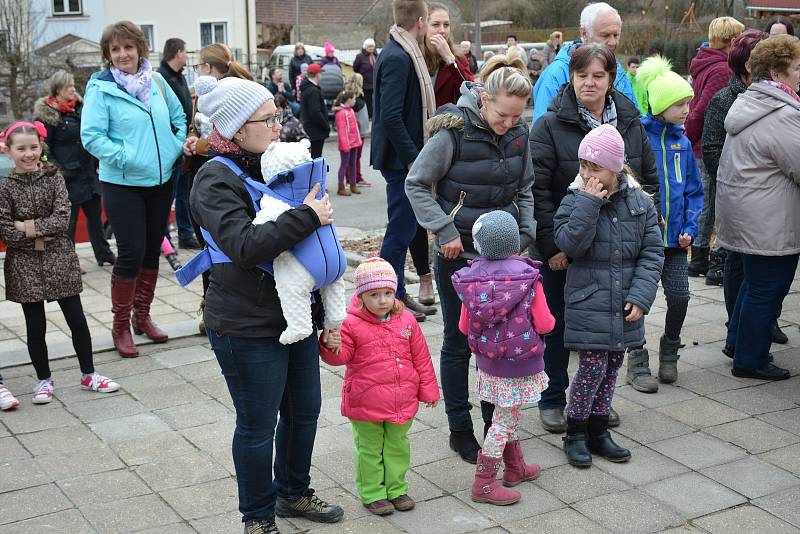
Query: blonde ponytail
pixel 506 74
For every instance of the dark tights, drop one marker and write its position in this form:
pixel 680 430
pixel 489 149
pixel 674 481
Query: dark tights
pixel 419 251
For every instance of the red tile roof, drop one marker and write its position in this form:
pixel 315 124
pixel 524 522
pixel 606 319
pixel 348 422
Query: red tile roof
pixel 311 11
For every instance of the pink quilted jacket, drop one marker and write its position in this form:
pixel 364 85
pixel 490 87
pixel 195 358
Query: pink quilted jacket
pixel 347 129
pixel 389 369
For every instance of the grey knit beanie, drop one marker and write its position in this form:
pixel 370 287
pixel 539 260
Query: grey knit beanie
pixel 496 235
pixel 229 102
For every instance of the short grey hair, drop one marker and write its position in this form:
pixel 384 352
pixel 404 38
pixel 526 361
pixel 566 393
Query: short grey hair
pixel 58 81
pixel 369 42
pixel 591 12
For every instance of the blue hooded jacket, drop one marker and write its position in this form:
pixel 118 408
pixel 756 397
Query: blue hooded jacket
pixel 680 187
pixel 557 74
pixel 136 146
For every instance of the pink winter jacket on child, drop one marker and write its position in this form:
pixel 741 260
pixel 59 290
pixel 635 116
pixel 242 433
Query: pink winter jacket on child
pixel 389 369
pixel 347 129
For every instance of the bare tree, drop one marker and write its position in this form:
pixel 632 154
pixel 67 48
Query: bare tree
pixel 21 72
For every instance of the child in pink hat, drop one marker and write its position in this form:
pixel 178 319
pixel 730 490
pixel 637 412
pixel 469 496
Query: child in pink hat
pixel 330 55
pixel 608 227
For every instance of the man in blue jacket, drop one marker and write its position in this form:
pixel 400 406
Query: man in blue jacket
pixel 398 131
pixel 601 24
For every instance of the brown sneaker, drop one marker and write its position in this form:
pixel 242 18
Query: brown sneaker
pixel 381 507
pixel 403 503
pixel 342 191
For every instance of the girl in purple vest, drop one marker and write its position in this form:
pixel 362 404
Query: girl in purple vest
pixel 504 315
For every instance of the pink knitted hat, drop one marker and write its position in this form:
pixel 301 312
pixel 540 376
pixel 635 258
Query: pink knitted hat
pixel 605 147
pixel 375 273
pixel 329 47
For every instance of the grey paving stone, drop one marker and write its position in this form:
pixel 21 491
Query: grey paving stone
pixel 787 389
pixel 744 520
pixel 122 368
pixel 650 426
pixel 126 515
pixel 214 387
pixel 11 449
pixel 704 382
pixel 103 487
pixel 232 522
pixel 196 414
pixel 362 525
pixel 349 502
pixel 100 409
pixel 754 435
pixel 557 522
pixel 74 464
pixel 70 521
pixel 53 415
pixel 788 420
pixel 450 474
pixel 69 396
pixel 534 501
pixel 666 395
pixel 629 512
pixel 31 502
pixel 448 514
pixel 753 400
pixel 183 356
pixel 539 451
pixel 210 437
pixel 179 471
pixel 693 495
pixel 141 384
pixel 127 428
pixel 646 466
pixel 571 484
pixel 210 498
pixel 200 371
pixel 427 447
pixel 19 474
pixel 4 431
pixel 703 356
pixel 787 458
pixel 783 504
pixel 165 397
pixel 149 449
pixel 752 477
pixel 702 412
pixel 66 439
pixel 698 450
pixel 175 528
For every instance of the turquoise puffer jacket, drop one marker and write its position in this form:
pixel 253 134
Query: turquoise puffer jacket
pixel 135 146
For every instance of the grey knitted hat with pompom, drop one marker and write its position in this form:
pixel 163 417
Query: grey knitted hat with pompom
pixel 229 102
pixel 496 235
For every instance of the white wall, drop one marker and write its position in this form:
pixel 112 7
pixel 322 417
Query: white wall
pixel 89 25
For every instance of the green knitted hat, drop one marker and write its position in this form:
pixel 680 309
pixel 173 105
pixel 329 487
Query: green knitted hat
pixel 664 87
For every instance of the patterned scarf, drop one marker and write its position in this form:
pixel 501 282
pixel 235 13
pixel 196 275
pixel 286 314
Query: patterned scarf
pixel 609 114
pixel 61 106
pixel 137 85
pixel 219 145
pixel 783 87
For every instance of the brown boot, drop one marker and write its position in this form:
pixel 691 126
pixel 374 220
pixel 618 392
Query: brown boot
pixel 201 313
pixel 354 189
pixel 416 307
pixel 145 292
pixel 122 292
pixel 426 295
pixel 342 191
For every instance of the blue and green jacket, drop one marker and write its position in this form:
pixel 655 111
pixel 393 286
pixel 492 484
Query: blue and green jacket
pixel 680 187
pixel 136 146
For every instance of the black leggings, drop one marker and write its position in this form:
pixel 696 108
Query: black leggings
pixel 138 216
pixel 419 251
pixel 36 327
pixel 316 148
pixel 94 223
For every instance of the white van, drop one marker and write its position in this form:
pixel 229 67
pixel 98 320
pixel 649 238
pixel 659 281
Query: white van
pixel 282 56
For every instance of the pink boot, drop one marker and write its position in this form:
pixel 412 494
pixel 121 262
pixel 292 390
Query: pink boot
pixel 516 470
pixel 485 488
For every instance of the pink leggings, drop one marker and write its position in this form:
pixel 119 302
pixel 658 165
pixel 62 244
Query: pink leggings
pixel 347 169
pixel 505 423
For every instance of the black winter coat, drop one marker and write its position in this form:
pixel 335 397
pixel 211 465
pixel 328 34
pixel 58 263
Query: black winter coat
pixel 65 151
pixel 294 66
pixel 313 113
pixel 241 300
pixel 714 124
pixel 363 66
pixel 179 86
pixel 554 142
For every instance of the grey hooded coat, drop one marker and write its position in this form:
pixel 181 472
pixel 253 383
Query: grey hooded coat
pixel 616 257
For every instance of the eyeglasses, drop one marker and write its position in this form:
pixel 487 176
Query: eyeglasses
pixel 271 120
pixel 197 67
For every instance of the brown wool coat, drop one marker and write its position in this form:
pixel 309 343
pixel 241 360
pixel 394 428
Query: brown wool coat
pixel 31 274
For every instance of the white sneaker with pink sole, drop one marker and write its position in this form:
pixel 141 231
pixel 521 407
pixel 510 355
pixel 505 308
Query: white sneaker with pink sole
pixel 7 400
pixel 99 383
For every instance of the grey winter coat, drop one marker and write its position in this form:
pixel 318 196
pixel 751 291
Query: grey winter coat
pixel 616 253
pixel 758 181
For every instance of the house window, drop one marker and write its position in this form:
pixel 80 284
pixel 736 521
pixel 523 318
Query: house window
pixel 67 7
pixel 150 36
pixel 213 32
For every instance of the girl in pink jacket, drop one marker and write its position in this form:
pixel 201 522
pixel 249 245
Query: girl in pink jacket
pixel 349 141
pixel 389 372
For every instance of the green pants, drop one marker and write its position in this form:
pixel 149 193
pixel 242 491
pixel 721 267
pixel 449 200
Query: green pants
pixel 382 458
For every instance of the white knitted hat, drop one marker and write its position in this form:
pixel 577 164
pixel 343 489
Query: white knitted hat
pixel 281 157
pixel 229 102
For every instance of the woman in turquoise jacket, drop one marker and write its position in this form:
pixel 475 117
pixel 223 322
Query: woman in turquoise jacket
pixel 135 125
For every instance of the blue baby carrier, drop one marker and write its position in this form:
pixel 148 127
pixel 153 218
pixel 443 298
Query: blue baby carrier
pixel 320 253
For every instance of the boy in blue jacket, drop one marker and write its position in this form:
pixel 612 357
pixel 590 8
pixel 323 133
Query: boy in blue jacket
pixel 681 190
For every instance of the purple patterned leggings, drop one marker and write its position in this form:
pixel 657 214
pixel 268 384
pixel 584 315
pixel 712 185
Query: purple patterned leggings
pixel 592 388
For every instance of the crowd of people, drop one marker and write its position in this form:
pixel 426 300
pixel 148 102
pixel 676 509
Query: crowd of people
pixel 547 238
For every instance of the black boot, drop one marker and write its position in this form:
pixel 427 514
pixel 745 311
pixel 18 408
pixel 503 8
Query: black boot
pixel 465 444
pixel 716 268
pixel 575 443
pixel 600 441
pixel 777 334
pixel 698 266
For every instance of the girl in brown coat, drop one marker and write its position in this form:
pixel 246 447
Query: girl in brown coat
pixel 41 263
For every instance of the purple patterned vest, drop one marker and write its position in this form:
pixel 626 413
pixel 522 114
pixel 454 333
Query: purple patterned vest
pixel 499 296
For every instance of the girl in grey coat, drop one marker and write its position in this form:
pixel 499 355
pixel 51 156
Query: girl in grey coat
pixel 608 227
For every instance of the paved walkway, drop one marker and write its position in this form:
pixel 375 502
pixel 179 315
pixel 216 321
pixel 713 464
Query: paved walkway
pixel 711 454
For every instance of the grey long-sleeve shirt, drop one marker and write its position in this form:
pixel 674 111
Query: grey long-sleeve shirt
pixel 430 167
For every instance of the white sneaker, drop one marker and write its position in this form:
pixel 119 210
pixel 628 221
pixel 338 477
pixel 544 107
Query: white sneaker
pixel 99 383
pixel 43 393
pixel 7 400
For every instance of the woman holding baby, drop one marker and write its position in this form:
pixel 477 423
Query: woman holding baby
pixel 243 312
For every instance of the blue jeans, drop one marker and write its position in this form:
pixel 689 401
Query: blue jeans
pixel 266 378
pixel 732 280
pixel 183 219
pixel 767 280
pixel 556 357
pixel 401 228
